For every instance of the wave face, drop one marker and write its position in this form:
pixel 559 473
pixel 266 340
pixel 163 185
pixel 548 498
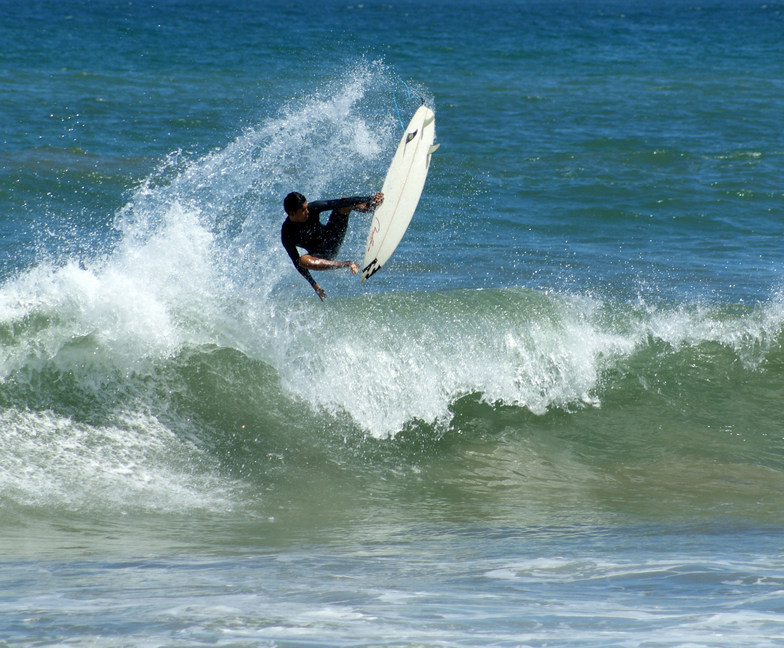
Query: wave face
pixel 178 361
pixel 138 408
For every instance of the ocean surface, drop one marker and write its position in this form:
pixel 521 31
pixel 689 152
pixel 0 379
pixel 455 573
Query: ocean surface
pixel 554 418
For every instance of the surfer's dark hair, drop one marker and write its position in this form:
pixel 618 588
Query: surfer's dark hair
pixel 293 201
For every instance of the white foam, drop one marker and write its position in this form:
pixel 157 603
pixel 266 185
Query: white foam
pixel 136 464
pixel 415 359
pixel 197 260
pixel 389 361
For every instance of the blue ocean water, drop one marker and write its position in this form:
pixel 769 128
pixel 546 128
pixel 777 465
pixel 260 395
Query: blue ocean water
pixel 554 418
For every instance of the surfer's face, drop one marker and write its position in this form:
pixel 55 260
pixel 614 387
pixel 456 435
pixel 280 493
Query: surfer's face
pixel 300 215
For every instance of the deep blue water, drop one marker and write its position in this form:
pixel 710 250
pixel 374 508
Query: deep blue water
pixel 553 418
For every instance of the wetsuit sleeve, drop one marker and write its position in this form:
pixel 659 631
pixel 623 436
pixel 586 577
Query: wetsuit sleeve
pixel 319 206
pixel 293 253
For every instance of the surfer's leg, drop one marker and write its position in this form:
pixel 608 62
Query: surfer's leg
pixel 334 233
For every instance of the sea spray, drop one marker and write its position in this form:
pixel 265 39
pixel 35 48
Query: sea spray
pixel 98 349
pixel 199 238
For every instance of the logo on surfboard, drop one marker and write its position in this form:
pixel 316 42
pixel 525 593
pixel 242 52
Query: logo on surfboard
pixel 374 230
pixel 370 269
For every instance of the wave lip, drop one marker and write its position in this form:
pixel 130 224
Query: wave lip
pixel 393 359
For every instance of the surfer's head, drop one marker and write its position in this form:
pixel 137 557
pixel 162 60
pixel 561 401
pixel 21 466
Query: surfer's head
pixel 293 202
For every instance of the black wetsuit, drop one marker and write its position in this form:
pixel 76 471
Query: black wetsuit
pixel 320 240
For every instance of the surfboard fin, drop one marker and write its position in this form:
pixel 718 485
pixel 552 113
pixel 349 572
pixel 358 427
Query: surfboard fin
pixel 433 148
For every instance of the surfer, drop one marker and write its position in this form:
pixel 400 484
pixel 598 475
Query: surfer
pixel 303 228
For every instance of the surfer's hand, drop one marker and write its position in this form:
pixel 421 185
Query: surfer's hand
pixel 353 267
pixel 369 206
pixel 320 292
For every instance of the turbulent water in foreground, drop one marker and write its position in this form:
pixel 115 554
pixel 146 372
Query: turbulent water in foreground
pixel 553 419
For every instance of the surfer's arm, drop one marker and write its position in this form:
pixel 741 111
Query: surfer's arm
pixel 360 203
pixel 291 249
pixel 310 262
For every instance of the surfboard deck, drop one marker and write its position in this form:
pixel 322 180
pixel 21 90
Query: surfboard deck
pixel 402 189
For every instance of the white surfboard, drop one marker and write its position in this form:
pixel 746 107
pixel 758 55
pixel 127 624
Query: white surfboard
pixel 402 188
